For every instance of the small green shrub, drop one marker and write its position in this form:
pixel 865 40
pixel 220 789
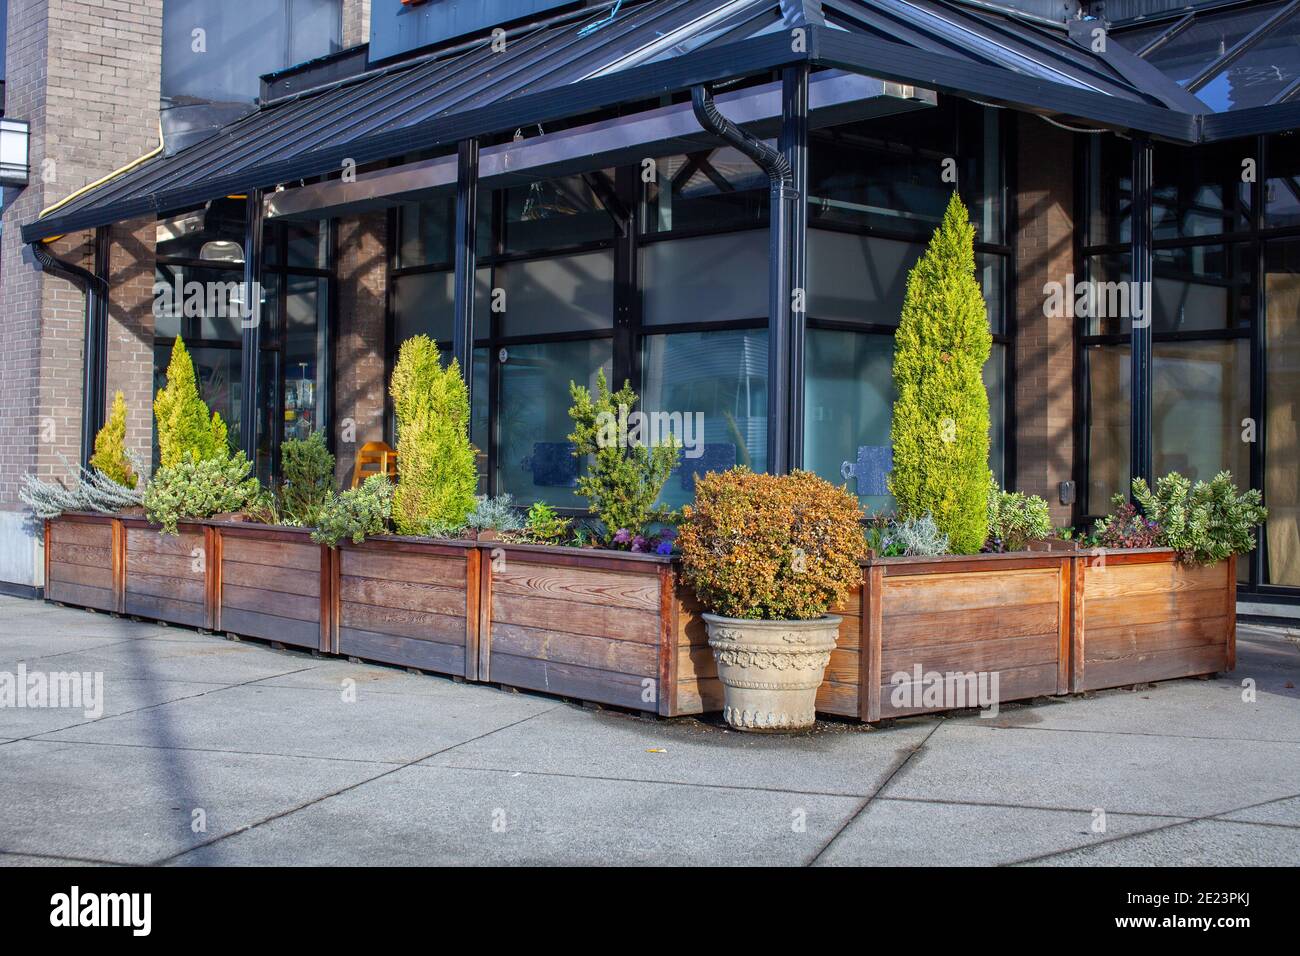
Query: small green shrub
pixel 768 547
pixel 1015 519
pixel 544 525
pixel 625 478
pixel 110 456
pixel 495 514
pixel 308 478
pixel 1206 522
pixel 435 460
pixel 185 425
pixel 940 428
pixel 356 513
pixel 199 488
pixel 911 537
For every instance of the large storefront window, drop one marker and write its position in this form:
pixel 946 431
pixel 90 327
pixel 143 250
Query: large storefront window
pixel 878 191
pixel 1282 413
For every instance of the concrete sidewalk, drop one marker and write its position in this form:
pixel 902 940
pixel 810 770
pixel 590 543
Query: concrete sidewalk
pixel 218 752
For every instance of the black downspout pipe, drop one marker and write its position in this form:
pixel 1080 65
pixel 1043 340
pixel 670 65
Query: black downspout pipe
pixel 1142 291
pixel 794 146
pixel 783 192
pixel 94 348
pixel 250 350
pixel 462 343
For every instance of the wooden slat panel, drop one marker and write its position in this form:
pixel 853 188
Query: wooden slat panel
pixel 993 654
pixel 1139 580
pixel 1013 684
pixel 934 628
pixel 578 585
pixel 838 699
pixel 299 607
pixel 80 595
pixel 557 615
pixel 82 533
pixel 699 697
pixel 304 556
pixel 404 594
pixel 1153 608
pixel 165 609
pixel 1156 666
pixel 569 680
pixel 99 576
pixel 695 662
pixel 287 580
pixel 168 565
pixel 83 555
pixel 271 627
pixel 916 594
pixel 448 571
pixel 623 657
pixel 152 541
pixel 190 589
pixel 406 651
pixel 402 622
pixel 1131 640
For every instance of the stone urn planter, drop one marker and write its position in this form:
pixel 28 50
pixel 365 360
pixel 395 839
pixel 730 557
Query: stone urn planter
pixel 770 670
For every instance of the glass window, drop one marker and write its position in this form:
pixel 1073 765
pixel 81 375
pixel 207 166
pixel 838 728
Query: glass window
pixel 1110 188
pixel 214 232
pixel 423 304
pixel 849 403
pixel 1195 48
pixel 198 304
pixel 995 384
pixel 1200 396
pixel 1268 67
pixel 307 244
pixel 708 190
pixel 534 458
pixel 716 380
pixel 426 230
pixel 705 279
pixel 1282 185
pixel 1202 288
pixel 562 294
pixel 306 359
pixel 551 213
pixel 1282 413
pixel 892 172
pixel 1200 190
pixel 855 278
pixel 1108 368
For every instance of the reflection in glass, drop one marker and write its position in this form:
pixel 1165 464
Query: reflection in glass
pixel 1108 368
pixel 710 189
pixel 534 459
pixel 1282 413
pixel 705 279
pixel 721 376
pixel 1282 182
pixel 1200 396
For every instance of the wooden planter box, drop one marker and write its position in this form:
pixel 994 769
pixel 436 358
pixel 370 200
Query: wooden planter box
pixel 83 563
pixel 596 625
pixel 1140 616
pixel 272 583
pixel 167 577
pixel 403 601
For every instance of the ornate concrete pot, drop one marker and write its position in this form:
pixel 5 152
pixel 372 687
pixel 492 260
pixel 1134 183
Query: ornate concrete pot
pixel 770 670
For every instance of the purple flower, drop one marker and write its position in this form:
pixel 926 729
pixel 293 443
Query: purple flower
pixel 638 545
pixel 668 534
pixel 622 536
pixel 665 547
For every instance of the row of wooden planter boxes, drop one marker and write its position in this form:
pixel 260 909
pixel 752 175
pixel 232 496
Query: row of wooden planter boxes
pixel 621 628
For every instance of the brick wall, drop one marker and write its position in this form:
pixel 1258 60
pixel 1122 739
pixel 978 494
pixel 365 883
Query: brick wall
pixel 356 22
pixel 1044 347
pixel 85 75
pixel 130 329
pixel 359 374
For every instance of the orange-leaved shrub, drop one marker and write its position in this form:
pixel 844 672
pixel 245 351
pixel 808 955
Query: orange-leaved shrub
pixel 769 547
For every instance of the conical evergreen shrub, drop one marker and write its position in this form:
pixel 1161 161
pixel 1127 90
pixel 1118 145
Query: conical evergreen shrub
pixel 940 430
pixel 183 420
pixel 110 447
pixel 437 474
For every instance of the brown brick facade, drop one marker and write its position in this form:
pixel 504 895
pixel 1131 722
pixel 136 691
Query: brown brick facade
pixel 1044 347
pixel 359 374
pixel 85 75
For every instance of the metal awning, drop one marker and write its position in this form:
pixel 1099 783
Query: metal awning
pixel 557 70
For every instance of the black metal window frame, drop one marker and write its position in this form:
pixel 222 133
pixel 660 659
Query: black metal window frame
pixel 1254 239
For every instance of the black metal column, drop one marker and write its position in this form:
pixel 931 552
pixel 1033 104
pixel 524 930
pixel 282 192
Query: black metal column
pixel 462 333
pixel 627 287
pixel 794 145
pixel 251 322
pixel 1140 442
pixel 95 349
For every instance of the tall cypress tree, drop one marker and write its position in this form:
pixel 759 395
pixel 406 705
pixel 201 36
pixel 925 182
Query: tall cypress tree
pixel 110 447
pixel 940 430
pixel 184 422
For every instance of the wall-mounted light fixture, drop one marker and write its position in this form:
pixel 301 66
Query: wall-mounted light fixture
pixel 14 136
